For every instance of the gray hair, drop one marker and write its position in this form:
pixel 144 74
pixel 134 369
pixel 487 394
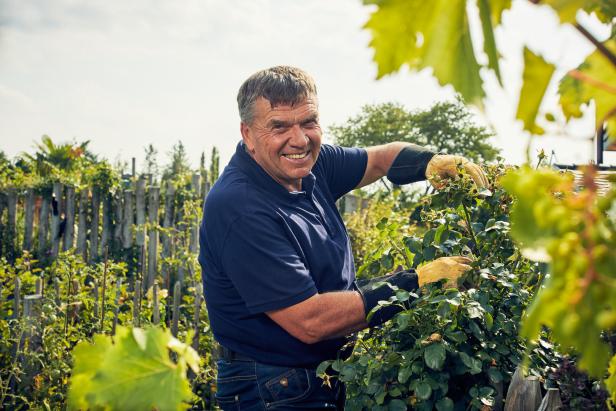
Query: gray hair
pixel 279 85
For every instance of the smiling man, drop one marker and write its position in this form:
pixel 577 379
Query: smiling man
pixel 277 266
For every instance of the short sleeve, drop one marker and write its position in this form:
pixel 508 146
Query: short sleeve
pixel 343 167
pixel 265 268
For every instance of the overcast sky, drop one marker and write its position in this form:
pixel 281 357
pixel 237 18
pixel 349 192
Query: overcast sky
pixel 124 74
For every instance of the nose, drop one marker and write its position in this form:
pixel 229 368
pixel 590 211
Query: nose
pixel 298 137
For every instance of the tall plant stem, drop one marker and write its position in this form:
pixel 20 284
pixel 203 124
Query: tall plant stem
pixel 467 217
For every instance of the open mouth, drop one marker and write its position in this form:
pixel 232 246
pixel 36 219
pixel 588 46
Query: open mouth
pixel 296 156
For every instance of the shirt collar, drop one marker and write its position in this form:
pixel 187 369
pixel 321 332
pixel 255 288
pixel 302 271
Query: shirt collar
pixel 259 176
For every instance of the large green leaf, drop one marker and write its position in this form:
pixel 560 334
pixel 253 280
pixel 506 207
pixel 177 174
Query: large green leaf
pixel 427 34
pixel 134 373
pixel 594 79
pixel 488 20
pixel 536 78
pixel 434 356
pixel 567 9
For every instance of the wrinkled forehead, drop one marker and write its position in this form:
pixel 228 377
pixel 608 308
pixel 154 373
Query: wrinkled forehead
pixel 305 107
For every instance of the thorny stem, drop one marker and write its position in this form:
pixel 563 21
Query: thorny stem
pixel 600 46
pixel 409 264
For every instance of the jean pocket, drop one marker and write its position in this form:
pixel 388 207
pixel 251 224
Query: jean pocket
pixel 289 386
pixel 229 403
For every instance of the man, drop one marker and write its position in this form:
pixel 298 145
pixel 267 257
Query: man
pixel 278 272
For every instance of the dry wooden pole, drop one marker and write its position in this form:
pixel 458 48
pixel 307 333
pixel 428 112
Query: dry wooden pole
pixel 43 227
pixel 194 227
pixel 140 210
pixel 524 394
pixel 12 224
pixel 196 318
pixel 127 224
pixel 16 297
pixel 116 302
pixel 155 306
pixel 69 229
pixel 32 312
pixel 38 286
pixel 136 303
pixel 96 202
pixel 82 227
pixel 165 236
pixel 107 222
pixel 153 204
pixel 117 214
pixel 95 295
pixel 105 267
pixel 551 401
pixel 28 219
pixel 177 298
pixel 56 218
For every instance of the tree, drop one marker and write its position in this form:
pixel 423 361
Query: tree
pixel 64 156
pixel 151 162
pixel 179 162
pixel 446 127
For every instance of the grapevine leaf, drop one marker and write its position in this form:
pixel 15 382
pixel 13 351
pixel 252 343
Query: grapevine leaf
pixel 135 372
pixel 567 9
pixel 489 43
pixel 427 34
pixel 536 78
pixel 593 80
pixel 434 356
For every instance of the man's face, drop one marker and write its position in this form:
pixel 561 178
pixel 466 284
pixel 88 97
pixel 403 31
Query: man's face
pixel 284 140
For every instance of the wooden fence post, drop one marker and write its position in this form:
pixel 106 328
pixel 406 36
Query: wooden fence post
pixel 140 209
pixel 118 218
pixel 153 204
pixel 116 302
pixel 136 303
pixel 127 229
pixel 95 295
pixel 165 237
pixel 551 401
pixel 155 307
pixel 69 229
pixel 194 223
pixel 197 314
pixel 76 303
pixel 28 219
pixel 11 239
pixel 16 297
pixel 96 202
pixel 177 297
pixel 43 228
pixel 106 235
pixel 38 286
pixel 82 227
pixel 524 394
pixel 56 215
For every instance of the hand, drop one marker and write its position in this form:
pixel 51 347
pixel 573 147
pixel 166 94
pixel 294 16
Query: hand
pixel 446 166
pixel 372 293
pixel 449 268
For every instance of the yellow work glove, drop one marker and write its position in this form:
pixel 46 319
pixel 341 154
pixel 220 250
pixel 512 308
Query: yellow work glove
pixel 443 166
pixel 449 268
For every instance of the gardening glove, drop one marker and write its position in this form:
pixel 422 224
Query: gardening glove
pixel 449 268
pixel 443 166
pixel 371 293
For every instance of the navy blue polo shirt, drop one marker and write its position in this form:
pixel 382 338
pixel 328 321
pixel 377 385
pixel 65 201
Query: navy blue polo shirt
pixel 264 248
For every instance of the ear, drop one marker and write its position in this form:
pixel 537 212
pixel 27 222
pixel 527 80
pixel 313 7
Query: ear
pixel 247 136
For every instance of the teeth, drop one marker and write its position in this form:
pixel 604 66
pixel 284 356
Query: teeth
pixel 296 155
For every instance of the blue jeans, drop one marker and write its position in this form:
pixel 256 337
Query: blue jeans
pixel 249 385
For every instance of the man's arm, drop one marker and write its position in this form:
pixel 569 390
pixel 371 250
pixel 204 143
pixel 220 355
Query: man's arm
pixel 323 316
pixel 380 159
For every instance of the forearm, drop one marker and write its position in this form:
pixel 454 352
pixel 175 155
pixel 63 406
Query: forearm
pixel 410 163
pixel 341 313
